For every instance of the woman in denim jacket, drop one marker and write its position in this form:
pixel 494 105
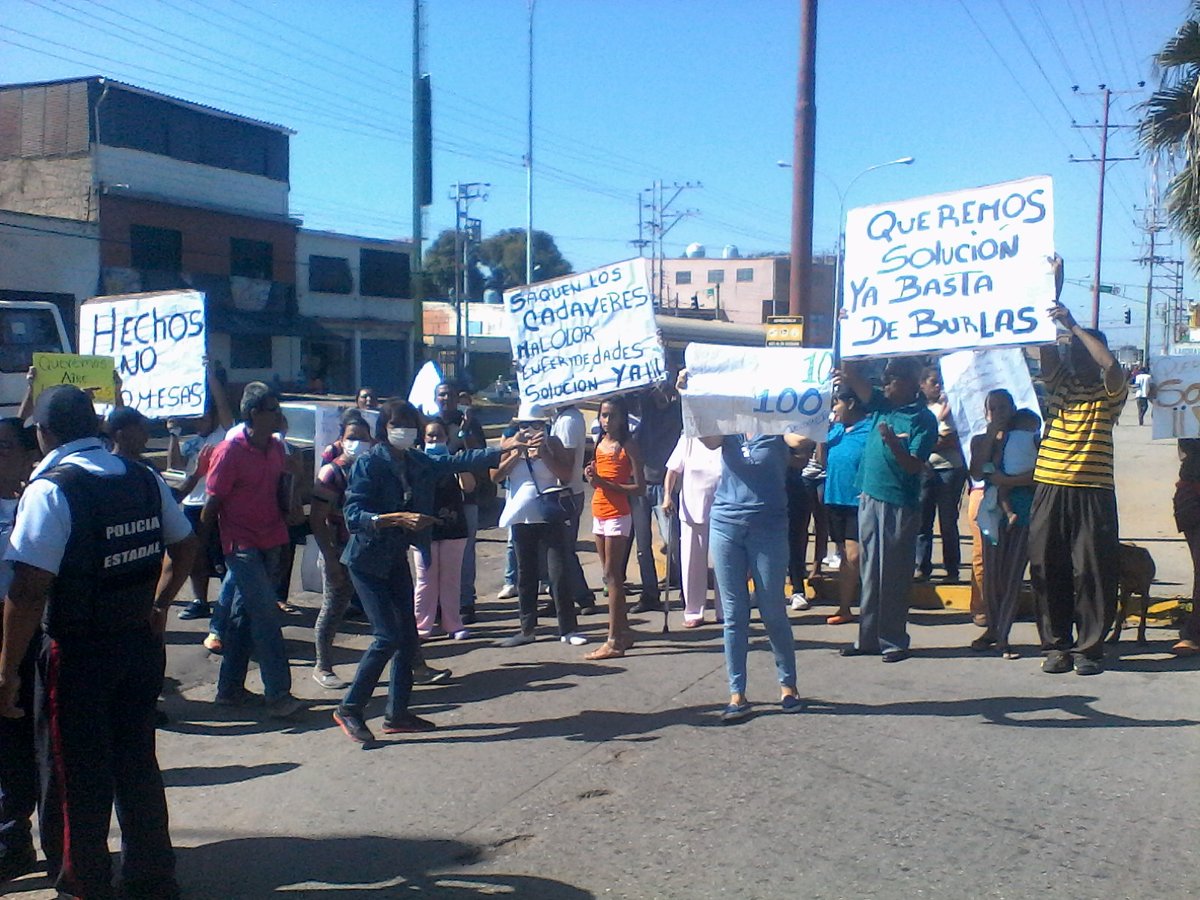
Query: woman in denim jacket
pixel 389 507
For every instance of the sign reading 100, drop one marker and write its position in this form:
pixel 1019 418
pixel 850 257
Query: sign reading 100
pixel 789 400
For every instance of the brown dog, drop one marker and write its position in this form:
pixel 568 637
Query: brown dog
pixel 1136 575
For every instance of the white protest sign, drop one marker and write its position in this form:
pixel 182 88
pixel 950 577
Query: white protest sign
pixel 585 335
pixel 158 341
pixel 759 390
pixel 968 376
pixel 950 272
pixel 1176 404
pixel 423 393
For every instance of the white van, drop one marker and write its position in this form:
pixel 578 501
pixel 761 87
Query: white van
pixel 26 327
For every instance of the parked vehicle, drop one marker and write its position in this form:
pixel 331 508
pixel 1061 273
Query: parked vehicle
pixel 26 327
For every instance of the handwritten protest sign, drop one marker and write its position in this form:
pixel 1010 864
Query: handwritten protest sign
pixel 760 390
pixel 969 375
pixel 158 342
pixel 950 271
pixel 1176 404
pixel 585 335
pixel 85 372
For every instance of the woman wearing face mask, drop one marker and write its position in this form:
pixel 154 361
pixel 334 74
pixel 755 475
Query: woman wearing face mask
pixel 389 507
pixel 329 528
pixel 439 568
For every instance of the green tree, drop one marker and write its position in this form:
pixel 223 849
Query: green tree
pixel 503 253
pixel 506 249
pixel 1171 126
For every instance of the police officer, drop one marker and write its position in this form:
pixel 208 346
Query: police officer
pixel 100 548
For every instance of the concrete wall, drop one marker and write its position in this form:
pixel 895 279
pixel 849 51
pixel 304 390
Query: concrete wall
pixel 353 305
pixel 60 187
pixel 47 255
pixel 286 359
pixel 184 182
pixel 206 235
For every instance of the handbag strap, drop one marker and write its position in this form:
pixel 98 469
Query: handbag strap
pixel 533 477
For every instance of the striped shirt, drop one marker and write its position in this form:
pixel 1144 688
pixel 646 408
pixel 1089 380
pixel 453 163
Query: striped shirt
pixel 1077 450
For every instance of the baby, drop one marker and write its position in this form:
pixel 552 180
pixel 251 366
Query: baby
pixel 1016 454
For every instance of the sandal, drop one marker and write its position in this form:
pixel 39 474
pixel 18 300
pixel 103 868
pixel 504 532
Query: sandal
pixel 1186 648
pixel 607 650
pixel 839 619
pixel 1011 654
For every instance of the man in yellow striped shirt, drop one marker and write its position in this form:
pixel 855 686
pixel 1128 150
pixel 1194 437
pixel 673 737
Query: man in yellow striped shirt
pixel 1073 533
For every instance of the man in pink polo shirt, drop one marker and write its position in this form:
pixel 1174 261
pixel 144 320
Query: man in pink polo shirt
pixel 245 485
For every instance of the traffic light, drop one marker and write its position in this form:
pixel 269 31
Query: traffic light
pixel 1128 316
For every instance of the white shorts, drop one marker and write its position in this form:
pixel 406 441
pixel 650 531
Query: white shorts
pixel 621 526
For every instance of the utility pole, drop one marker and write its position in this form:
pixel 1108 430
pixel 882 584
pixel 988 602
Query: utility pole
pixel 462 193
pixel 803 160
pixel 660 226
pixel 1103 159
pixel 422 178
pixel 641 241
pixel 529 155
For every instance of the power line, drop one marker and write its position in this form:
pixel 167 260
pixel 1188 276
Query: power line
pixel 1099 69
pixel 1062 57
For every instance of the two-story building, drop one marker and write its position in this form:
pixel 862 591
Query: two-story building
pixel 178 195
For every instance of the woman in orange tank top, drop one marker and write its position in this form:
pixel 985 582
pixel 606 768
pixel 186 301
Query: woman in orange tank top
pixel 616 474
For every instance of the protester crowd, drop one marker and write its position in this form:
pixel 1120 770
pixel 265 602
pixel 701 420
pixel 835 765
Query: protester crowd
pixel 97 547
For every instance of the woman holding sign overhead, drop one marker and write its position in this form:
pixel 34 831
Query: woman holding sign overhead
pixel 746 536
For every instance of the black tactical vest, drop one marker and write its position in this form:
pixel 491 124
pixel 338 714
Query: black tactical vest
pixel 114 555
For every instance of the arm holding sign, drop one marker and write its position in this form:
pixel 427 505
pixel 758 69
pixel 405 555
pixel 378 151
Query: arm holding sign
pixel 25 410
pixel 219 398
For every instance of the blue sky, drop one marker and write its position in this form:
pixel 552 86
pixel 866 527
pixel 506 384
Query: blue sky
pixel 627 91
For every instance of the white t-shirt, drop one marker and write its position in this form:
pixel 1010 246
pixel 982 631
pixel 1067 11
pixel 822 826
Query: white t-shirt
pixel 1141 386
pixel 191 453
pixel 521 507
pixel 701 470
pixel 570 429
pixel 43 523
pixel 1020 452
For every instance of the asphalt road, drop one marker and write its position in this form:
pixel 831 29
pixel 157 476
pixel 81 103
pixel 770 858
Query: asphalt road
pixel 951 774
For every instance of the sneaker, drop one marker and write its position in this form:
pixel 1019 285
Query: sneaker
pixel 520 639
pixel 430 675
pixel 1085 666
pixel 507 592
pixel 647 604
pixel 732 713
pixel 213 644
pixel 197 609
pixel 588 609
pixel 329 681
pixel 283 707
pixel 14 864
pixel 1057 662
pixel 461 635
pixel 354 727
pixel 468 615
pixel 407 724
pixel 800 602
pixel 575 639
pixel 790 703
pixel 238 697
pixel 832 561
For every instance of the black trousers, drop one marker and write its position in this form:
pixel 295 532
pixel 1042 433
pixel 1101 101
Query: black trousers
pixel 18 770
pixel 95 711
pixel 556 539
pixel 1074 553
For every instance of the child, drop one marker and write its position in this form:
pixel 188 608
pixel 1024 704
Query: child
pixel 439 575
pixel 1016 455
pixel 616 474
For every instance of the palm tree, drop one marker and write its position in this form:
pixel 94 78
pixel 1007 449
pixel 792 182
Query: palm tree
pixel 1171 126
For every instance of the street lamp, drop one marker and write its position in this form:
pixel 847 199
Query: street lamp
pixel 841 241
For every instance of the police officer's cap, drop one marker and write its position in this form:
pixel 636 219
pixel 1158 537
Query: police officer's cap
pixel 65 411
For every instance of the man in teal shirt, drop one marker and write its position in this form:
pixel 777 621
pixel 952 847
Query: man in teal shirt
pixel 901 436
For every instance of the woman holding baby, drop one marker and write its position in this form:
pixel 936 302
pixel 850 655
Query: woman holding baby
pixel 1004 457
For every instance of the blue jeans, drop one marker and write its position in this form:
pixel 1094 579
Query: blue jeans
pixel 388 602
pixel 220 613
pixel 941 493
pixel 466 591
pixel 253 626
pixel 510 564
pixel 645 508
pixel 760 548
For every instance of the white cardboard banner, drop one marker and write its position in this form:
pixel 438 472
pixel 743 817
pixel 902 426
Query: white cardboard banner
pixel 1176 404
pixel 951 271
pixel 423 393
pixel 968 376
pixel 585 335
pixel 158 343
pixel 756 390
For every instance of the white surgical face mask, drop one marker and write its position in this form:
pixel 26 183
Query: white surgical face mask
pixel 352 450
pixel 402 438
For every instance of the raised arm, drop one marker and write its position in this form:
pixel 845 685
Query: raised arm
pixel 220 396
